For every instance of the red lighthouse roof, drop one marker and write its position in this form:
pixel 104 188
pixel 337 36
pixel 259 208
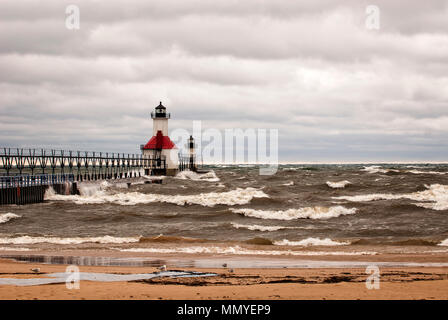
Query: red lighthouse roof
pixel 159 142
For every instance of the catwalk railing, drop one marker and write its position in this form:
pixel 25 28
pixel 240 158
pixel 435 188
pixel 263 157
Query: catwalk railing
pixel 36 180
pixel 37 164
pixel 187 162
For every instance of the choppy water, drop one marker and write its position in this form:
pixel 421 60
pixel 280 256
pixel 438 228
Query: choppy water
pixel 301 205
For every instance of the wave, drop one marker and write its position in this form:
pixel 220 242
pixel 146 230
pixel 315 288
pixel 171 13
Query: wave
pixel 444 243
pixel 290 183
pixel 234 197
pixel 406 242
pixel 163 239
pixel 435 197
pixel 255 227
pixel 311 242
pixel 5 217
pixel 237 250
pixel 426 172
pixel 77 240
pixel 259 241
pixel 338 185
pixel 209 176
pixel 14 249
pixel 301 213
pixel 290 169
pixel 378 169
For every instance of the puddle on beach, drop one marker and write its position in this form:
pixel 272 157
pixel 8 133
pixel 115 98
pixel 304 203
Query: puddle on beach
pixel 52 278
pixel 215 262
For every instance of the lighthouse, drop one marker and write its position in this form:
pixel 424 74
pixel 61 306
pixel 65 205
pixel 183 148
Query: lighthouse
pixel 160 148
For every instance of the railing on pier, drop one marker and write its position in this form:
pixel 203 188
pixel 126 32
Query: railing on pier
pixel 187 162
pixel 81 165
pixel 36 180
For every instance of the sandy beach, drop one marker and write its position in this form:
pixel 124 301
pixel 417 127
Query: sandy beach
pixel 239 283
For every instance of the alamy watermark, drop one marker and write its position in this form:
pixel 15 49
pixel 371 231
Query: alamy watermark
pixel 373 280
pixel 73 277
pixel 233 146
pixel 373 17
pixel 73 18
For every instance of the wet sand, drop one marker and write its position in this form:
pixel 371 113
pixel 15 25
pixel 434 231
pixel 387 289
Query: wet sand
pixel 239 283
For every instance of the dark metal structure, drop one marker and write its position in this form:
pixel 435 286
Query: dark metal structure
pixel 30 168
pixel 83 165
pixel 187 162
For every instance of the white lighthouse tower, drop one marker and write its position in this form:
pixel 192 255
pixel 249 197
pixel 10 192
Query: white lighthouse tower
pixel 160 145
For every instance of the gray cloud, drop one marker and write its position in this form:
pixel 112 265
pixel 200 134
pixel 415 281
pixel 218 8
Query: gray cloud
pixel 335 91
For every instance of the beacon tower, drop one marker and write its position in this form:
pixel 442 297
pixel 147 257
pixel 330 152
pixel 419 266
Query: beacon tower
pixel 160 146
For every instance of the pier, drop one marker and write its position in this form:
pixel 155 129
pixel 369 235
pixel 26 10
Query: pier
pixel 25 174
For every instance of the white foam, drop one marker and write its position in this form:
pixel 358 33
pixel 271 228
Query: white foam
pixel 57 240
pixel 444 243
pixel 255 227
pixel 154 177
pixel 301 213
pixel 291 183
pixel 338 185
pixel 377 169
pixel 90 189
pixel 311 242
pixel 426 172
pixel 435 197
pixel 209 176
pixel 234 197
pixel 14 249
pixel 237 250
pixel 5 217
pixel 290 169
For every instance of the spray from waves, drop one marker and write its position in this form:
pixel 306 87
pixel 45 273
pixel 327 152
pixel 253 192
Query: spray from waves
pixel 57 240
pixel 94 188
pixel 301 213
pixel 237 250
pixel 234 197
pixel 8 216
pixel 378 169
pixel 209 176
pixel 426 172
pixel 338 185
pixel 436 197
pixel 444 243
pixel 255 227
pixel 311 242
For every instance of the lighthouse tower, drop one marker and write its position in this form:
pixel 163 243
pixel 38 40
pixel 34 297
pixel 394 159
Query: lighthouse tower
pixel 160 145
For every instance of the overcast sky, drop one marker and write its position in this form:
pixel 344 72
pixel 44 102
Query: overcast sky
pixel 336 90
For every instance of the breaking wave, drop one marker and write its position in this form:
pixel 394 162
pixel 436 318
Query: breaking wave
pixel 209 176
pixel 8 216
pixel 237 250
pixel 234 197
pixel 14 249
pixel 338 185
pixel 301 213
pixel 426 172
pixel 378 169
pixel 255 227
pixel 444 243
pixel 165 239
pixel 57 240
pixel 435 197
pixel 311 242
